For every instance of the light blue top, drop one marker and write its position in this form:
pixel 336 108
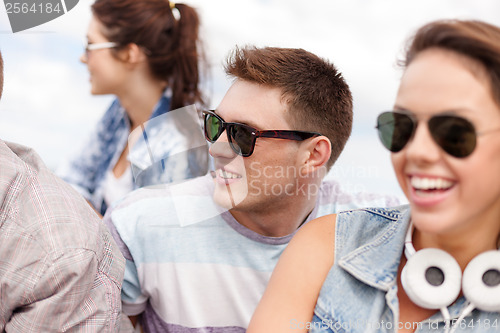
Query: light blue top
pixel 191 267
pixel 168 149
pixel 360 291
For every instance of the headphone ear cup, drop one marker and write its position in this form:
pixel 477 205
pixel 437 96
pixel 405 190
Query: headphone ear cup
pixel 431 278
pixel 481 281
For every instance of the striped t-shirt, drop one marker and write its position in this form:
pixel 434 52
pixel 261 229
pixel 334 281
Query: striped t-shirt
pixel 191 267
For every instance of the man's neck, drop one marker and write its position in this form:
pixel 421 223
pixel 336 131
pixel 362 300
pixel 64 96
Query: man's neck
pixel 278 222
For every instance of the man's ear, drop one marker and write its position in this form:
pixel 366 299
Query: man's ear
pixel 316 154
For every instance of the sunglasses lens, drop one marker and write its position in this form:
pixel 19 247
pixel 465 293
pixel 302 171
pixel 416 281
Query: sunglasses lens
pixel 394 130
pixel 242 139
pixel 213 128
pixel 455 135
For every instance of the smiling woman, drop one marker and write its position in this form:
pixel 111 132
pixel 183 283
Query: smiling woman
pixel 465 106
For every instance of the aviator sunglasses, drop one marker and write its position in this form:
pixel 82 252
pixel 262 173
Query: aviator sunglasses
pixel 455 135
pixel 242 137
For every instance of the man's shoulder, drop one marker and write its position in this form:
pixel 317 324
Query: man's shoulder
pixel 31 185
pixel 39 204
pixel 158 194
pixel 333 197
pixel 164 202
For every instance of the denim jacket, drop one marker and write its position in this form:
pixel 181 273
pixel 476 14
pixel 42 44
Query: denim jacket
pixel 360 291
pixel 161 164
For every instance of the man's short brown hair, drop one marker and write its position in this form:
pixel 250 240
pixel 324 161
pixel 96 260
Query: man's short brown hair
pixel 316 95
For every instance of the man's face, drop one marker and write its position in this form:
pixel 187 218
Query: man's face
pixel 265 178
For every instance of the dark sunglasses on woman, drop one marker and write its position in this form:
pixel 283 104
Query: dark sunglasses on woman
pixel 455 135
pixel 242 137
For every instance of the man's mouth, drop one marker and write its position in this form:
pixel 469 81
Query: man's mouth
pixel 224 174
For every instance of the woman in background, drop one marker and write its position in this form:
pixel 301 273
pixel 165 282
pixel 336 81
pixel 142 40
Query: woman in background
pixel 433 265
pixel 146 53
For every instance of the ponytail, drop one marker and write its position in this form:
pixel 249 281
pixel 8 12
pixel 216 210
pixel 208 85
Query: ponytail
pixel 188 55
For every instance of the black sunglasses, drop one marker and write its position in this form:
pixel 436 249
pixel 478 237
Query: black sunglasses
pixel 242 137
pixel 455 135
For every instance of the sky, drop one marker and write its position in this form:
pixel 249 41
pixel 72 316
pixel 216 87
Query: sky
pixel 47 103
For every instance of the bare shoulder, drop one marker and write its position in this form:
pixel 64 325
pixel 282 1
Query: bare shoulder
pixel 314 243
pixel 320 231
pixel 321 224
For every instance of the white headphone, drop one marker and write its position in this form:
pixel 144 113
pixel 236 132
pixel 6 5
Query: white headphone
pixel 432 279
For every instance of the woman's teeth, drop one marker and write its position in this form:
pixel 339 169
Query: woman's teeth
pixel 420 183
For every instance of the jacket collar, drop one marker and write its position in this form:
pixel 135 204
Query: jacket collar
pixel 374 262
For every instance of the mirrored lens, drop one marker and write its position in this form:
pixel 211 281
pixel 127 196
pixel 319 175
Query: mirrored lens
pixel 394 130
pixel 455 135
pixel 213 128
pixel 242 139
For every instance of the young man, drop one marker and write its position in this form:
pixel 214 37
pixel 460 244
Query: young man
pixel 60 270
pixel 199 254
